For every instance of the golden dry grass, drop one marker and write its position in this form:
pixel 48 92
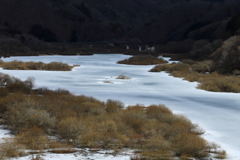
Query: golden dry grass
pixel 201 72
pixel 85 121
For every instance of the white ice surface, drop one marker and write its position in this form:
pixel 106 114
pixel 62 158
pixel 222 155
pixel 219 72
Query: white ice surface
pixel 81 156
pixel 217 113
pixel 4 133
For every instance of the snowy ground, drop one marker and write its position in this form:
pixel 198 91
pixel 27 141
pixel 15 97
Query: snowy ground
pixel 83 154
pixel 217 113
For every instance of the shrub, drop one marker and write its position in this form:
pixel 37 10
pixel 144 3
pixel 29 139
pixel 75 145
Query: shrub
pixel 18 87
pixel 189 144
pixel 157 143
pixel 156 111
pixel 20 117
pixel 113 106
pixel 30 83
pixel 33 138
pixel 70 128
pixel 11 148
pixel 92 108
pixel 7 80
pixel 226 58
pixel 3 92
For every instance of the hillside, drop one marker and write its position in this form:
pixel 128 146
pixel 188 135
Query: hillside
pixel 101 20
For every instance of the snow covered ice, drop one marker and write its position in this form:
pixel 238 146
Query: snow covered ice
pixel 217 113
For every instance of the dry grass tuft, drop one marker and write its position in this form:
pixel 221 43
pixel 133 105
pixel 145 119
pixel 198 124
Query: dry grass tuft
pixel 122 76
pixel 107 81
pixel 221 155
pixel 33 138
pixel 11 148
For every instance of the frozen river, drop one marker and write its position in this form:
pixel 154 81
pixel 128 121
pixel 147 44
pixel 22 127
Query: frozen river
pixel 217 113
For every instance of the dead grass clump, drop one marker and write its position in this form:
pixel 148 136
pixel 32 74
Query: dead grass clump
pixel 113 106
pixel 159 155
pixel 143 60
pixel 33 138
pixel 122 76
pixel 70 129
pixel 60 147
pixel 191 145
pixel 11 148
pixel 107 81
pixel 91 138
pixel 92 108
pixel 156 111
pixel 157 143
pixel 221 155
pixel 20 117
pixel 18 87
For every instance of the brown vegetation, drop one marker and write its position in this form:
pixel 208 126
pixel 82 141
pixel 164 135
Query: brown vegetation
pixel 142 60
pixel 122 76
pixel 202 72
pixel 227 57
pixel 19 65
pixel 85 121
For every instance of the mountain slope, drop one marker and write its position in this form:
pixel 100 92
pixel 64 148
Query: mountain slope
pixel 102 20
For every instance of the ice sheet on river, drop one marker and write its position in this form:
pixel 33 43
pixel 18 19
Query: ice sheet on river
pixel 217 113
